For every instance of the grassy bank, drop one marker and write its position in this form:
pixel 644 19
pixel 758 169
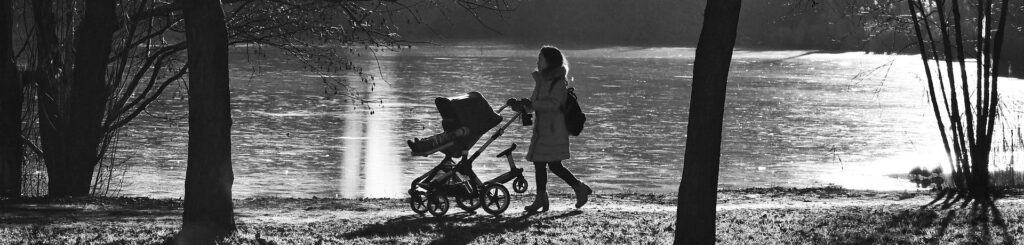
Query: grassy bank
pixel 749 216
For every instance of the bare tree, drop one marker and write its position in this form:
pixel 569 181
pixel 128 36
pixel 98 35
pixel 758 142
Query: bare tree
pixel 965 114
pixel 10 109
pixel 698 190
pixel 208 210
pixel 84 96
pixel 86 103
pixel 208 207
pixel 71 79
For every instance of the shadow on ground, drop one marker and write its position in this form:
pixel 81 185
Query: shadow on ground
pixel 42 214
pixel 978 224
pixel 458 229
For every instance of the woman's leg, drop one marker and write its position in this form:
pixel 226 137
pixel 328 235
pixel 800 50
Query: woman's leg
pixel 581 189
pixel 562 172
pixel 540 201
pixel 542 176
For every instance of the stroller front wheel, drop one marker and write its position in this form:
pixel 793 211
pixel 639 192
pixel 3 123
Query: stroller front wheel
pixel 520 185
pixel 496 199
pixel 437 204
pixel 418 201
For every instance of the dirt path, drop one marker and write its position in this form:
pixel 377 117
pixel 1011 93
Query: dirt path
pixel 771 215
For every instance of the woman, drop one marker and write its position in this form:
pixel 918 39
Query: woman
pixel 550 142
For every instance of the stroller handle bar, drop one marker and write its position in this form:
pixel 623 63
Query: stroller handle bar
pixel 502 108
pixel 498 133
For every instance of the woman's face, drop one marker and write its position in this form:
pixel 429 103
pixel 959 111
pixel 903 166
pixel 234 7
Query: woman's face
pixel 541 63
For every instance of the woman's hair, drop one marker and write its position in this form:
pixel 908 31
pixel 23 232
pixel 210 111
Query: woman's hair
pixel 554 57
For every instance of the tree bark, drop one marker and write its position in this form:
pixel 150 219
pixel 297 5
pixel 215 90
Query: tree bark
pixel 208 179
pixel 698 190
pixel 72 96
pixel 88 98
pixel 11 99
pixel 45 77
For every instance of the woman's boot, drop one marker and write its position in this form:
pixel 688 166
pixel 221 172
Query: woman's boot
pixel 582 192
pixel 540 204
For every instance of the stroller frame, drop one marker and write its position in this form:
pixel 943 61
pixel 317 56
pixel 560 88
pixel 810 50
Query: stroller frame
pixel 430 192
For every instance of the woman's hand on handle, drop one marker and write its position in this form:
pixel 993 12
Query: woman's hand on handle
pixel 519 105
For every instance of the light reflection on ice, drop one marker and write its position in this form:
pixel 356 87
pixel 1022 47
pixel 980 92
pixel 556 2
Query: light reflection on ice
pixel 786 124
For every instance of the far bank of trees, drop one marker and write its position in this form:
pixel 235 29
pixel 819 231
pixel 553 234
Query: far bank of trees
pixel 799 24
pixel 843 25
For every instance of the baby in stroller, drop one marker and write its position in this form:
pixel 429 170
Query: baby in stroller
pixel 465 119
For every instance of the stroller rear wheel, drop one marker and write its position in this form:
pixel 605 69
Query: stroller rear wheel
pixel 437 204
pixel 468 203
pixel 496 199
pixel 520 185
pixel 418 201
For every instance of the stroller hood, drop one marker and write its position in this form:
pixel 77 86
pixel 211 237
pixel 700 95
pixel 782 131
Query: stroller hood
pixel 471 111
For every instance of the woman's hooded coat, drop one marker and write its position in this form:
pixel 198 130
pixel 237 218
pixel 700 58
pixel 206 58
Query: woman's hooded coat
pixel 550 140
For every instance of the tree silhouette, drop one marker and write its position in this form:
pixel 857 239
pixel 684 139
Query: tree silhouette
pixel 87 103
pixel 698 190
pixel 98 67
pixel 965 114
pixel 10 109
pixel 208 209
pixel 92 73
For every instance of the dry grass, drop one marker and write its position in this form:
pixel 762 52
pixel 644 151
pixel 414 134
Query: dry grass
pixel 750 216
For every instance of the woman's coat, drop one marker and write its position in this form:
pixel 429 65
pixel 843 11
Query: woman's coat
pixel 550 140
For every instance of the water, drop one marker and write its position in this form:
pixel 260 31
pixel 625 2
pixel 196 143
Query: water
pixel 793 118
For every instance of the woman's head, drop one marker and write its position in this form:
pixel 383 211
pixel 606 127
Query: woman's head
pixel 550 57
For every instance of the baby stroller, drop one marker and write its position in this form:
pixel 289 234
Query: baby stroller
pixel 465 120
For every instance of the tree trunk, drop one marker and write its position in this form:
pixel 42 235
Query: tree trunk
pixel 88 97
pixel 208 179
pixel 10 110
pixel 981 189
pixel 45 76
pixel 72 104
pixel 695 215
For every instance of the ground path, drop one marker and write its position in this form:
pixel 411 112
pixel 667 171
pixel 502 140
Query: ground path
pixel 750 216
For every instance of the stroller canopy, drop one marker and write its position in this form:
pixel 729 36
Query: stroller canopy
pixel 471 111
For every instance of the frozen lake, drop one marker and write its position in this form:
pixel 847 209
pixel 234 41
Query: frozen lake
pixel 793 118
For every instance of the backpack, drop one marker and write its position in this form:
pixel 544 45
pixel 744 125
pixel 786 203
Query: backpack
pixel 574 117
